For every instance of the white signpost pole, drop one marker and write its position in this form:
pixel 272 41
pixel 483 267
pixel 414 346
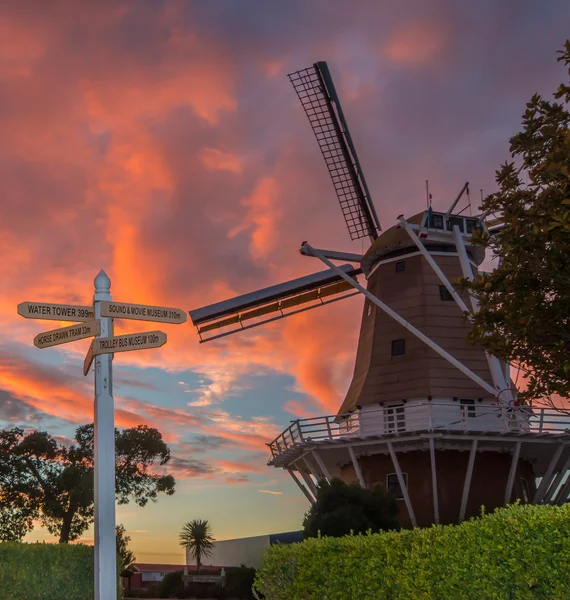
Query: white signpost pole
pixel 99 322
pixel 105 543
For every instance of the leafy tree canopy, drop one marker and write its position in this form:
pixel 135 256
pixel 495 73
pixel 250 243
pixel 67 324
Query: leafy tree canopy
pixel 524 314
pixel 341 509
pixel 127 557
pixel 53 482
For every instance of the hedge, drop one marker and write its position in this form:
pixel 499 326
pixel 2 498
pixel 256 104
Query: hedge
pixel 516 553
pixel 46 571
pixel 239 581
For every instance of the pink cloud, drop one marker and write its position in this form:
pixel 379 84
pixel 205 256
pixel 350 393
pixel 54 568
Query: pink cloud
pixel 217 160
pixel 417 43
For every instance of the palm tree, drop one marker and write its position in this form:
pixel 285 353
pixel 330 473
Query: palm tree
pixel 196 536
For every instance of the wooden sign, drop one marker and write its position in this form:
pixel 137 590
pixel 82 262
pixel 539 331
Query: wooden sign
pixel 88 360
pixel 55 312
pixel 68 334
pixel 132 341
pixel 141 312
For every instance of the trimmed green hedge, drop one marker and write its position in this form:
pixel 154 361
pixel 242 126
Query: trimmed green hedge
pixel 46 571
pixel 516 553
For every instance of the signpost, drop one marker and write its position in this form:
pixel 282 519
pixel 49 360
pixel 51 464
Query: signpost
pixel 55 312
pixel 132 341
pixel 97 321
pixel 67 334
pixel 142 312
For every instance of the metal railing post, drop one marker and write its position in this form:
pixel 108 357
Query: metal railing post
pixel 300 431
pixel 329 428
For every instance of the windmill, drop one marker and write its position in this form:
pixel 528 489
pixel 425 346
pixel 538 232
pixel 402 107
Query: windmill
pixel 428 416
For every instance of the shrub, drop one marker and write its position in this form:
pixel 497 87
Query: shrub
pixel 341 509
pixel 519 552
pixel 46 571
pixel 239 581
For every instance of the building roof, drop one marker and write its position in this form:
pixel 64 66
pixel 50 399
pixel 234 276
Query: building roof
pixel 157 568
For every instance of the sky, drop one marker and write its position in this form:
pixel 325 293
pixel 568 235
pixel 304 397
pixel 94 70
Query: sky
pixel 162 141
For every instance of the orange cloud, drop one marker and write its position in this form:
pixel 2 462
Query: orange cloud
pixel 262 218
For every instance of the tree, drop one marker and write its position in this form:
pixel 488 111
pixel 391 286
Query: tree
pixel 53 483
pixel 341 509
pixel 524 304
pixel 127 557
pixel 196 536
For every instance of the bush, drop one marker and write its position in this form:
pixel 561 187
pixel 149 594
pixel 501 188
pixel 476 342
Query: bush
pixel 341 509
pixel 239 581
pixel 46 571
pixel 516 553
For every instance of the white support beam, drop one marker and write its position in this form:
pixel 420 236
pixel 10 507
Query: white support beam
pixel 434 481
pixel 501 384
pixel 424 252
pixel 512 473
pixel 356 467
pixel 424 338
pixel 557 481
pixel 335 255
pixel 467 484
pixel 301 486
pixel 403 485
pixel 547 479
pixel 322 466
pixel 307 479
pixel 562 497
pixel 457 199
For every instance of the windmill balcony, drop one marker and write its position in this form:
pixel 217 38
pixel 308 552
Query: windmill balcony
pixel 375 422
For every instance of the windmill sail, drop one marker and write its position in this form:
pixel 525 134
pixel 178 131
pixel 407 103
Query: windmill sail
pixel 273 303
pixel 318 96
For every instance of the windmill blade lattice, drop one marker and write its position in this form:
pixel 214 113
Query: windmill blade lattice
pixel 318 97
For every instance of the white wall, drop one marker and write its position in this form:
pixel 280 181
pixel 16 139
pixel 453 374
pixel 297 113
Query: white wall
pixel 233 553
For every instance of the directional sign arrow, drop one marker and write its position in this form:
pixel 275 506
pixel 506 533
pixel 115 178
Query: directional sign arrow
pixel 141 312
pixel 88 359
pixel 132 341
pixel 55 312
pixel 68 334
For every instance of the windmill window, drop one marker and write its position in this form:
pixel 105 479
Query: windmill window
pixel 455 221
pixel 436 221
pixel 444 294
pixel 393 485
pixel 400 266
pixel 470 225
pixel 467 407
pixel 398 347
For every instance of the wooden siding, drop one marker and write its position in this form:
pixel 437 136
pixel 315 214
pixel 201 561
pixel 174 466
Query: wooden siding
pixel 415 295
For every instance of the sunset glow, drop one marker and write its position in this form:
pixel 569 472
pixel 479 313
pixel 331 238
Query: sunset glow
pixel 162 142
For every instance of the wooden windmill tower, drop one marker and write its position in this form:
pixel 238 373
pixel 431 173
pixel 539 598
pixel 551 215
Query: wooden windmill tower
pixel 428 416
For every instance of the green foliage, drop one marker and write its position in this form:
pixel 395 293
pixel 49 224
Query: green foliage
pixel 41 479
pixel 46 572
pixel 196 536
pixel 524 303
pixel 239 581
pixel 341 509
pixel 521 552
pixel 127 557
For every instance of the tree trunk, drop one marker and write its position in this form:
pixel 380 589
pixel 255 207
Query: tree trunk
pixel 198 561
pixel 66 525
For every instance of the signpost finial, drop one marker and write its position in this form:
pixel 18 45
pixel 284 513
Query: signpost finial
pixel 102 283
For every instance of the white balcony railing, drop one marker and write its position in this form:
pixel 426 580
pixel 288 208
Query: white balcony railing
pixel 420 416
